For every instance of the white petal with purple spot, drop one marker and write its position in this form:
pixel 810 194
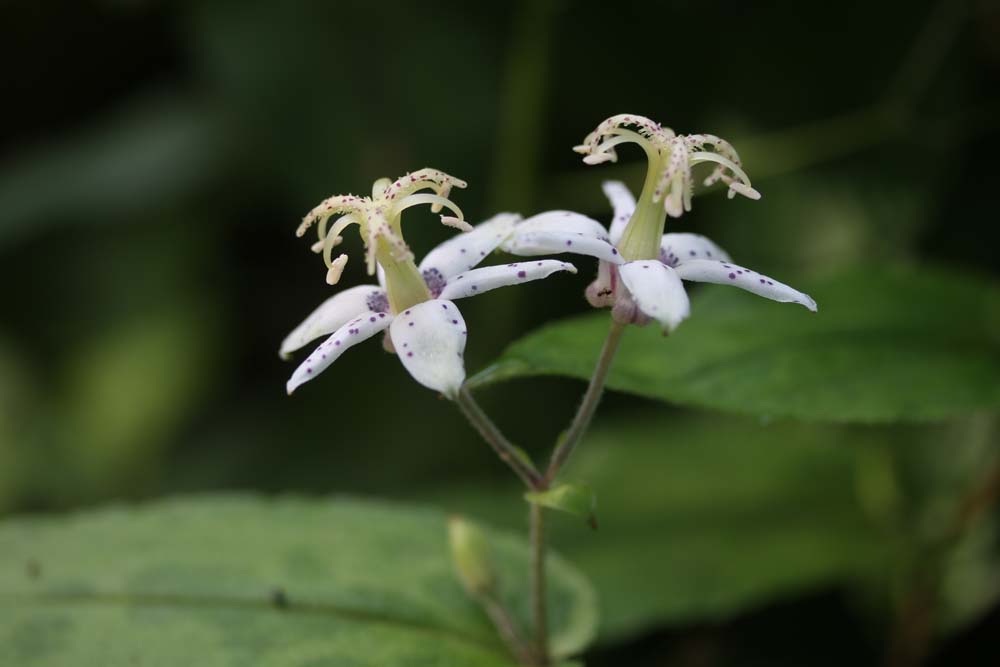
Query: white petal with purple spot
pixel 623 204
pixel 727 273
pixel 677 248
pixel 464 251
pixel 544 243
pixel 430 341
pixel 559 221
pixel 333 314
pixel 357 330
pixel 657 290
pixel 482 280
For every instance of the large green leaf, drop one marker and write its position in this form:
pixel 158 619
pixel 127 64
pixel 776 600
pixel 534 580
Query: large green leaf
pixel 703 517
pixel 236 580
pixel 886 345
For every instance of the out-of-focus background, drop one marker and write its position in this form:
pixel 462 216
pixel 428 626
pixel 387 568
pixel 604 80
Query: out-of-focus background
pixel 156 158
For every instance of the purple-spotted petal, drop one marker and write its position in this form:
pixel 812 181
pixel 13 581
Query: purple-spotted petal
pixel 357 330
pixel 430 341
pixel 623 204
pixel 531 244
pixel 727 273
pixel 482 280
pixel 565 222
pixel 464 251
pixel 675 249
pixel 657 290
pixel 333 314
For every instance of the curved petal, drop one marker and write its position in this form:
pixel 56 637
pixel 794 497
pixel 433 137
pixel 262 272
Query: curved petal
pixel 601 292
pixel 357 330
pixel 561 222
pixel 623 204
pixel 546 243
pixel 487 278
pixel 726 273
pixel 464 251
pixel 657 290
pixel 675 249
pixel 333 314
pixel 430 341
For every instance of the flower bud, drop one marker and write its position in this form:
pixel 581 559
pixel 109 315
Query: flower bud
pixel 472 556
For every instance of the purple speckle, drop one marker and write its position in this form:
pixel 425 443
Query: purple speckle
pixel 371 319
pixel 732 276
pixel 645 266
pixel 475 287
pixel 568 242
pixel 411 324
pixel 336 342
pixel 539 264
pixel 309 370
pixel 409 354
pixel 462 250
pixel 762 281
pixel 406 312
pixel 454 321
pixel 434 280
pixel 769 282
pixel 378 302
pixel 614 251
pixel 381 315
pixel 522 274
pixel 692 253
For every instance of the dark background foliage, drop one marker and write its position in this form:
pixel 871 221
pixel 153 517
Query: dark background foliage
pixel 157 157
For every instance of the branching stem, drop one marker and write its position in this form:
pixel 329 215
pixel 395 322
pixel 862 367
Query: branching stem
pixel 492 435
pixel 584 414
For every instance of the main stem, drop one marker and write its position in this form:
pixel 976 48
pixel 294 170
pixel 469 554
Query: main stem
pixel 584 414
pixel 491 434
pixel 539 654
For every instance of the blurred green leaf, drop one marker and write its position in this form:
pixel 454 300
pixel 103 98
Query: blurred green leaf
pixel 576 499
pixel 704 517
pixel 239 580
pixel 887 345
pixel 130 388
pixel 155 151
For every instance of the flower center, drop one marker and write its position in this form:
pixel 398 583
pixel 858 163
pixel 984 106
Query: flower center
pixel 404 285
pixel 379 220
pixel 669 186
pixel 641 238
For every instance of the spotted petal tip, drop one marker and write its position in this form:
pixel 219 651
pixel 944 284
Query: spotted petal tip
pixel 430 341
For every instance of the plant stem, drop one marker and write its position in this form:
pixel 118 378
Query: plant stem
pixel 492 435
pixel 507 629
pixel 539 608
pixel 913 632
pixel 589 403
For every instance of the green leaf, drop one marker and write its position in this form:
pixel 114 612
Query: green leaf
pixel 702 517
pixel 886 345
pixel 578 499
pixel 233 580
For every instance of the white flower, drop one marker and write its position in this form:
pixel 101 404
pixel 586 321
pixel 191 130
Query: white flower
pixel 641 268
pixel 415 303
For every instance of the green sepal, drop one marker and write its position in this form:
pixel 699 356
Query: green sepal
pixel 578 499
